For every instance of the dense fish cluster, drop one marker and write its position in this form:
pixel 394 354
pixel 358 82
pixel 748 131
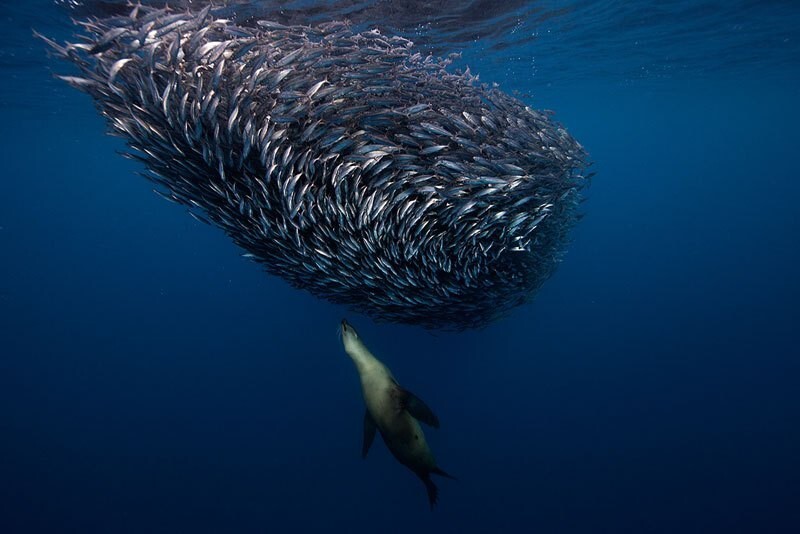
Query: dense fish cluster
pixel 345 162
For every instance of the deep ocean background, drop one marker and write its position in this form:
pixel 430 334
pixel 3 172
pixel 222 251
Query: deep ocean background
pixel 153 380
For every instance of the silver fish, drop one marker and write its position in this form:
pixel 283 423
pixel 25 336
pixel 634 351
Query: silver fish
pixel 347 163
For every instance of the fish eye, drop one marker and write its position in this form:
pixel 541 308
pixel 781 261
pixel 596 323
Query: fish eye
pixel 283 142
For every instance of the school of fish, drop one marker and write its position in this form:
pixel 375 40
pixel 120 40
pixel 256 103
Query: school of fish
pixel 345 162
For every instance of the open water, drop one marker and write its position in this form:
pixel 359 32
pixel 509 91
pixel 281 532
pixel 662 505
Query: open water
pixel 153 380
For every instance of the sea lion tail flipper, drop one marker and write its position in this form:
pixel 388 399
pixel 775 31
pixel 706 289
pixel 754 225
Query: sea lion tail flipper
pixel 442 473
pixel 416 408
pixel 369 433
pixel 433 491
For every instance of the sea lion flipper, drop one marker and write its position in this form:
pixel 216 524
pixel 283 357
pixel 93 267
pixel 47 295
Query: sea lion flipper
pixel 430 487
pixel 442 473
pixel 369 433
pixel 416 408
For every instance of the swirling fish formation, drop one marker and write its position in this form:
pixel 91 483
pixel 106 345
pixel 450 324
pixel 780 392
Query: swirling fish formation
pixel 343 161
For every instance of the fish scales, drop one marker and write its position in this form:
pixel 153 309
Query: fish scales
pixel 347 163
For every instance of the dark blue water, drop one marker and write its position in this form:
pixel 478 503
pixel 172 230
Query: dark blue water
pixel 152 380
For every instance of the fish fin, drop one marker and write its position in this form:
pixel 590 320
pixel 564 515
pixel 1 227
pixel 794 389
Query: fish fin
pixel 369 433
pixel 416 408
pixel 430 487
pixel 442 473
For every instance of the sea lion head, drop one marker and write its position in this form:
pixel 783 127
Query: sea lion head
pixel 350 338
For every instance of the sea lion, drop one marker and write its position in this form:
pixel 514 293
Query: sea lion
pixel 394 412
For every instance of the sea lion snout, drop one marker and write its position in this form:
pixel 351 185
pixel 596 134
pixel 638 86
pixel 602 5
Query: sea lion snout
pixel 348 330
pixel 349 336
